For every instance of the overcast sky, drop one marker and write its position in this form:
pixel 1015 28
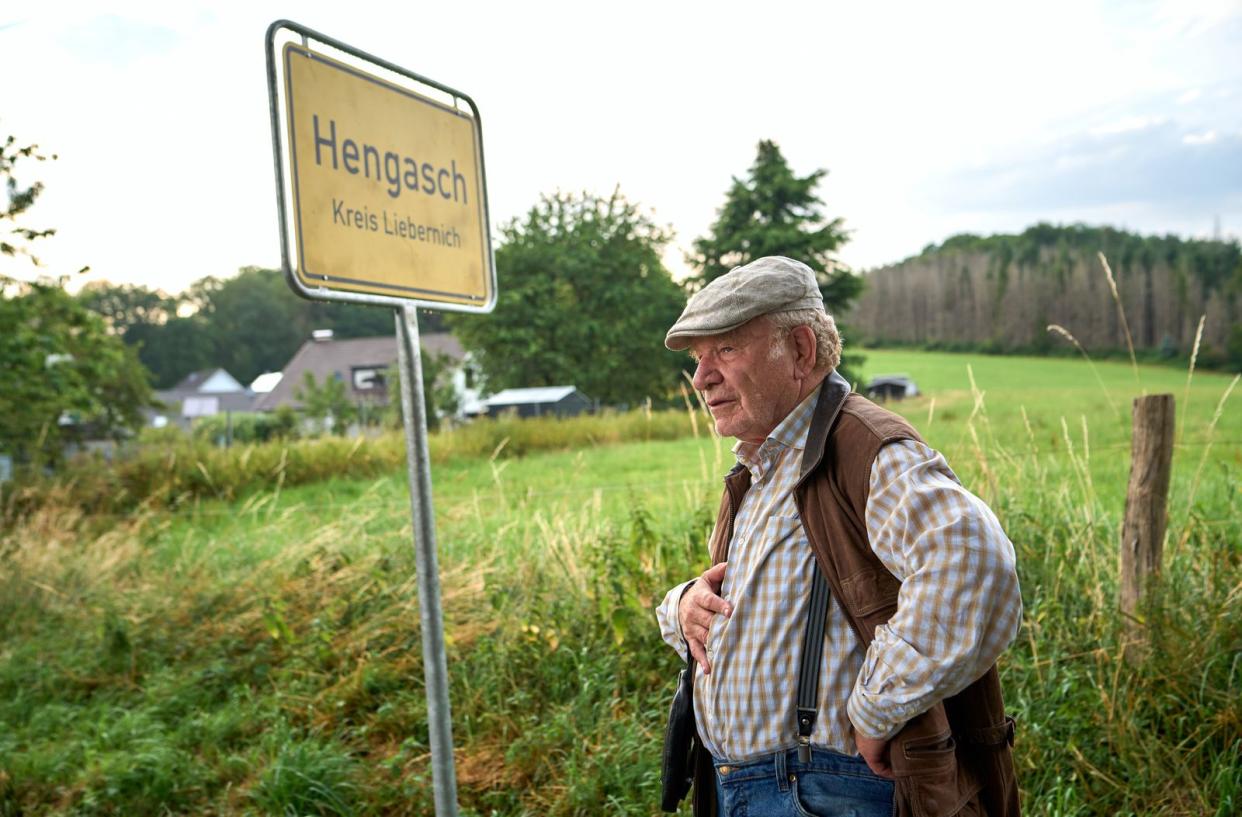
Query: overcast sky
pixel 931 118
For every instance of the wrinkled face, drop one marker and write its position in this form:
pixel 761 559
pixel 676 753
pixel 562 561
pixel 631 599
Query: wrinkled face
pixel 749 382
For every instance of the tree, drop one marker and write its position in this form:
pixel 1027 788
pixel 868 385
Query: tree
pixel 1233 349
pixel 584 300
pixel 63 377
pixel 254 322
pixel 774 212
pixel 326 403
pixel 127 306
pixel 169 346
pixel 440 398
pixel 14 240
pixel 174 349
pixel 248 324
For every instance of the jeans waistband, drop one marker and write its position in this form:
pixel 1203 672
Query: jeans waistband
pixel 785 762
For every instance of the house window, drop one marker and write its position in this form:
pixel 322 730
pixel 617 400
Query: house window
pixel 368 379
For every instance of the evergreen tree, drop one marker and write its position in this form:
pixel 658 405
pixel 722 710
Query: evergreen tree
pixel 774 212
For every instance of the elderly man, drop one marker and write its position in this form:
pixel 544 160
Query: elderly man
pixel 895 706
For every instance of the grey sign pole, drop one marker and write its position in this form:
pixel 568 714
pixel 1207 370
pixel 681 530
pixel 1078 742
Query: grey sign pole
pixel 418 460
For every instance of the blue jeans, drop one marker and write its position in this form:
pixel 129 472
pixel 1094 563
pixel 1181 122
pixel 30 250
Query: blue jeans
pixel 831 785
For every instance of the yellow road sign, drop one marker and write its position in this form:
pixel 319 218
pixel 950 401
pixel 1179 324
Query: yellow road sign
pixel 387 188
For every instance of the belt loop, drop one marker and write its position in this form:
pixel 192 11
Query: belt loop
pixel 782 776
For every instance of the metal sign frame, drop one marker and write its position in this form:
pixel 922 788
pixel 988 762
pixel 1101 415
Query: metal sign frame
pixel 277 98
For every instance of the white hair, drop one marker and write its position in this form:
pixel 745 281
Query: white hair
pixel 827 339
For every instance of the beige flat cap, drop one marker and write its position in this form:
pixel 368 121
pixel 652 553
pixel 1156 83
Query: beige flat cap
pixel 770 284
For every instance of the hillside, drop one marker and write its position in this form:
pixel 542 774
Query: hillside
pixel 1000 293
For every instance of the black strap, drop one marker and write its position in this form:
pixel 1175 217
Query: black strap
pixel 808 672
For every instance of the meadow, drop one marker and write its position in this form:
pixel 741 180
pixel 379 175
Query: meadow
pixel 260 653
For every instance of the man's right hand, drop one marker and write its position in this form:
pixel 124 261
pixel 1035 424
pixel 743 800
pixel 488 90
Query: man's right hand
pixel 699 604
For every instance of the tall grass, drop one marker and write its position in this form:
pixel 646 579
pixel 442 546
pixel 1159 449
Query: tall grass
pixel 183 470
pixel 262 654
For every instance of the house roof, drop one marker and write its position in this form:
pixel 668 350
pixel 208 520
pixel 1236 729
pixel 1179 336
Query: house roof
pixel 540 394
pixel 217 384
pixel 337 358
pixel 214 381
pixel 265 382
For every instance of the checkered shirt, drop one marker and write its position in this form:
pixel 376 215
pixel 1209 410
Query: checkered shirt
pixel 958 608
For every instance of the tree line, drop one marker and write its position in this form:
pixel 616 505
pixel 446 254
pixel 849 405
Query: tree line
pixel 247 324
pixel 1000 293
pixel 585 299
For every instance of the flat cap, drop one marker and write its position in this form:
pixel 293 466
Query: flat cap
pixel 770 284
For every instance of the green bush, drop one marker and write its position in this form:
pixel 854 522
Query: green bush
pixel 248 427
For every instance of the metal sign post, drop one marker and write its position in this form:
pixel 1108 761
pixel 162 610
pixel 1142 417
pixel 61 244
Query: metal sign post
pixel 422 511
pixel 382 200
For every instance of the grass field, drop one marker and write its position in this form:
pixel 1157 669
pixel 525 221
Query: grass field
pixel 263 656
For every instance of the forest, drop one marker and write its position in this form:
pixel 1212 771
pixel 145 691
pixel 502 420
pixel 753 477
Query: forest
pixel 1000 293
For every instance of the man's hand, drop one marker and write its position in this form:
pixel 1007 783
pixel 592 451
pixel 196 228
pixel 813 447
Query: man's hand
pixel 875 752
pixel 698 605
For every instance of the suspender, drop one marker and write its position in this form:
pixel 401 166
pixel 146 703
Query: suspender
pixel 808 672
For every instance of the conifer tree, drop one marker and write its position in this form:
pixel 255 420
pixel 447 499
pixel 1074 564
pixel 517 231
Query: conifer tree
pixel 772 211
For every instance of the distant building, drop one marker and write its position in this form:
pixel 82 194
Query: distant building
pixel 201 394
pixel 891 387
pixel 264 383
pixel 562 401
pixel 362 364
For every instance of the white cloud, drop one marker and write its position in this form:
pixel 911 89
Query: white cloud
pixel 1129 124
pixel 1205 138
pixel 1191 18
pixel 1189 96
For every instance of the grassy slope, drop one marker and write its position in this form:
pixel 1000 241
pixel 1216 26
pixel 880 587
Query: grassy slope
pixel 264 656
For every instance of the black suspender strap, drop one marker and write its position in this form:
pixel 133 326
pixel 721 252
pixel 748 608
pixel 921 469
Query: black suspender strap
pixel 808 672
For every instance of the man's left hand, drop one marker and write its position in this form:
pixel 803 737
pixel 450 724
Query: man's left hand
pixel 875 752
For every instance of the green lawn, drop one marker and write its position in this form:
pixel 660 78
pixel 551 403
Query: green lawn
pixel 263 656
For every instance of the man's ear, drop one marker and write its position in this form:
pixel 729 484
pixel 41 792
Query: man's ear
pixel 805 350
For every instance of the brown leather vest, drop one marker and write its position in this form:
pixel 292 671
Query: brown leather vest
pixel 955 758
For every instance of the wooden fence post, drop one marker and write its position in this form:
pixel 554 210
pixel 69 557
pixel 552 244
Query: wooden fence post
pixel 1142 532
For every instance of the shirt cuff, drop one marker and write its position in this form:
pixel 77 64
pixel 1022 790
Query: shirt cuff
pixel 869 718
pixel 670 622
